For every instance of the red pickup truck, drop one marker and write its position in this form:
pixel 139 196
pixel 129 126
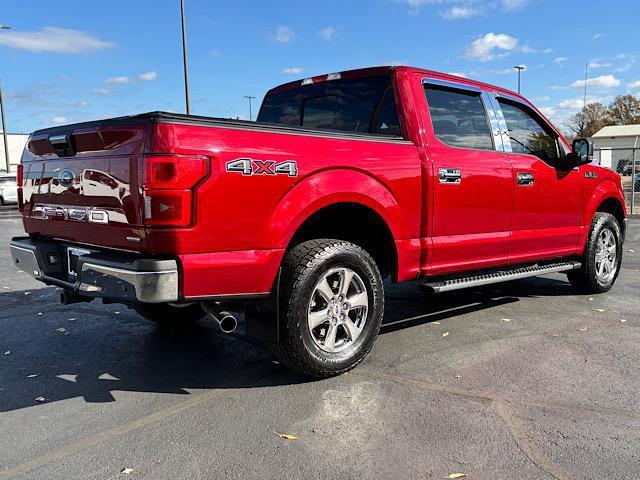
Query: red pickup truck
pixel 296 219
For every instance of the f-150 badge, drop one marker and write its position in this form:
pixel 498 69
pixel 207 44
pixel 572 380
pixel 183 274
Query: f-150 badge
pixel 250 166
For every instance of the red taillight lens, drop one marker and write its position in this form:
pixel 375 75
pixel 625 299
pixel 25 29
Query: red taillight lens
pixel 19 177
pixel 173 172
pixel 168 184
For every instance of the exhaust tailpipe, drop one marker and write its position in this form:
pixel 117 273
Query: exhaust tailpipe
pixel 225 320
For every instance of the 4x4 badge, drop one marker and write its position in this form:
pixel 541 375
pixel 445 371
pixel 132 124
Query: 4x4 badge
pixel 249 166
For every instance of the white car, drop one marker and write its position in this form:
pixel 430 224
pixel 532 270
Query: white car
pixel 8 189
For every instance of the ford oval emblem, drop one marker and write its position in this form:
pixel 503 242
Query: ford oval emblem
pixel 66 177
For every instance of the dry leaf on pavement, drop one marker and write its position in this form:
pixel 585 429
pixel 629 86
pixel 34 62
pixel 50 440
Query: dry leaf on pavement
pixel 286 436
pixel 457 475
pixel 445 334
pixel 583 329
pixel 8 352
pixel 39 399
pixel 126 471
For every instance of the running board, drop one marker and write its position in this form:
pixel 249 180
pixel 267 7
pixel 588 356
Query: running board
pixel 500 276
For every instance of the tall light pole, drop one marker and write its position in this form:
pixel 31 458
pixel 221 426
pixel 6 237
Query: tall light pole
pixel 586 79
pixel 519 68
pixel 4 124
pixel 249 97
pixel 184 59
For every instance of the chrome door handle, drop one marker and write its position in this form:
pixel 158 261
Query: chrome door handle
pixel 525 179
pixel 449 175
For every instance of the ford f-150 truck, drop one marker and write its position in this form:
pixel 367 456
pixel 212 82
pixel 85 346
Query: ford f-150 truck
pixel 345 179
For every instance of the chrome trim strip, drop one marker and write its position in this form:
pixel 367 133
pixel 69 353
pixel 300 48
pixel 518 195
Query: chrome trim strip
pixel 124 271
pixel 490 109
pixel 502 123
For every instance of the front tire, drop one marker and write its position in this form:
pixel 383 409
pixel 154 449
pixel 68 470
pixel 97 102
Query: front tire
pixel 602 256
pixel 331 307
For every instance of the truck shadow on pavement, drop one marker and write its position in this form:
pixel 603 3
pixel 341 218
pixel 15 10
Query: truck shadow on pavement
pixel 96 351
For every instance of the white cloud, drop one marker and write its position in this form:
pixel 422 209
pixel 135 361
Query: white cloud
pixel 596 63
pixel 603 81
pixel 571 104
pixel 483 48
pixel 328 33
pixel 148 76
pixel 53 39
pixel 293 71
pixel 548 111
pixel 597 36
pixel 462 9
pixel 458 74
pixel 101 91
pixel 283 34
pixel 634 85
pixel 82 103
pixel 215 52
pixel 59 119
pixel 119 79
pixel 457 13
pixel 560 60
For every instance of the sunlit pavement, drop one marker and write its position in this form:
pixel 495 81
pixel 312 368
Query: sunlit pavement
pixel 521 380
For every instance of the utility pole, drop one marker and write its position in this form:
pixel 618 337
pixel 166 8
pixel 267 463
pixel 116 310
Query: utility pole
pixel 586 75
pixel 4 133
pixel 184 59
pixel 519 68
pixel 4 124
pixel 249 97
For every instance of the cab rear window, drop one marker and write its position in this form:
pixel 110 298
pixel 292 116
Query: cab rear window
pixel 361 105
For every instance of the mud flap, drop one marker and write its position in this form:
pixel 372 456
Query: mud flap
pixel 261 317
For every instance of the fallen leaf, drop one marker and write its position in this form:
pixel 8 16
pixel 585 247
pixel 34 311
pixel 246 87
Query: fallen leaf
pixel 8 352
pixel 457 475
pixel 126 471
pixel 39 399
pixel 506 319
pixel 286 436
pixel 583 329
pixel 600 310
pixel 436 323
pixel 632 251
pixel 445 334
pixel 39 313
pixel 622 320
pixel 33 375
pixel 61 329
pixel 591 299
pixel 116 313
pixel 72 319
pixel 27 293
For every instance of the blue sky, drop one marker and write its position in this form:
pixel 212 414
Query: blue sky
pixel 69 60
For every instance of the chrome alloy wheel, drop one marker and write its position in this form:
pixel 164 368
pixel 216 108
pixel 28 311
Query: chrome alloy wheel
pixel 337 310
pixel 605 257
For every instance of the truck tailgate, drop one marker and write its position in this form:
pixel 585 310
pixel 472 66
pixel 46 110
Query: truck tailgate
pixel 82 184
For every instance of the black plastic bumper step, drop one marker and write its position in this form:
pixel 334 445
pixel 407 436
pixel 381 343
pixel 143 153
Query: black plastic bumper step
pixel 500 276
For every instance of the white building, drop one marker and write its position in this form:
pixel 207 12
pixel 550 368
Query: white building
pixel 615 143
pixel 16 143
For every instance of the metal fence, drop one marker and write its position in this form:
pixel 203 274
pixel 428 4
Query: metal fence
pixel 626 163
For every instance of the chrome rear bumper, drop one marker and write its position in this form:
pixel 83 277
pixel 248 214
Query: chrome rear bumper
pixel 119 277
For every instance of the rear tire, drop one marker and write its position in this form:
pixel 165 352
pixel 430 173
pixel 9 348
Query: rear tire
pixel 602 256
pixel 168 315
pixel 331 307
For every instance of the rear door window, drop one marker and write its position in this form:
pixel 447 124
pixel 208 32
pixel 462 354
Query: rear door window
pixel 458 117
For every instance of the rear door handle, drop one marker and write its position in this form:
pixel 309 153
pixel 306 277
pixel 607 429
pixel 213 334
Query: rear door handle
pixel 449 175
pixel 525 179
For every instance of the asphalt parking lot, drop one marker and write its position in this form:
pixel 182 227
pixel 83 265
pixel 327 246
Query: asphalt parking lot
pixel 523 380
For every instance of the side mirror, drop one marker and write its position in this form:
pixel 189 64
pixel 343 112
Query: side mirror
pixel 581 148
pixel 579 155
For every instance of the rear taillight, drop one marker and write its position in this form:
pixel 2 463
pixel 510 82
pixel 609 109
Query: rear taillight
pixel 168 189
pixel 19 178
